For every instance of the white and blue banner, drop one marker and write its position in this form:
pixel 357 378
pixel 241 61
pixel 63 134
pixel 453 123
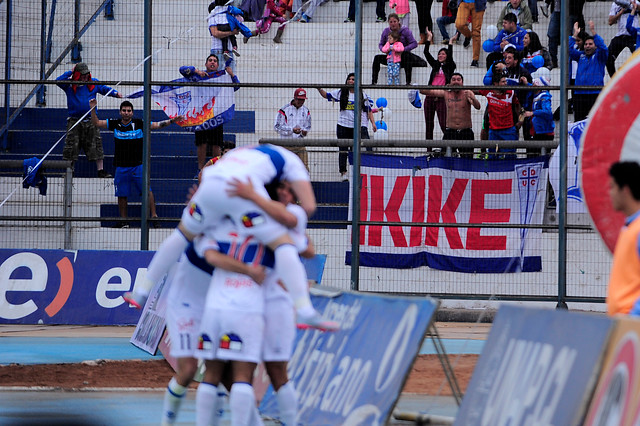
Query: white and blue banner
pixel 452 191
pixel 355 376
pixel 575 203
pixel 69 287
pixel 203 107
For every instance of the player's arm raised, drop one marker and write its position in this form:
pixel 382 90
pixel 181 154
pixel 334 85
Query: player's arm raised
pixel 228 263
pixel 276 210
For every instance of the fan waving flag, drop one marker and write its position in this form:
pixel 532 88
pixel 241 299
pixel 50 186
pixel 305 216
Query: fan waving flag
pixel 203 107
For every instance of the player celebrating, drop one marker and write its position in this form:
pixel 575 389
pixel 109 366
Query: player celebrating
pixel 262 165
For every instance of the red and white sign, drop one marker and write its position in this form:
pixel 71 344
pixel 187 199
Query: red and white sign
pixel 451 191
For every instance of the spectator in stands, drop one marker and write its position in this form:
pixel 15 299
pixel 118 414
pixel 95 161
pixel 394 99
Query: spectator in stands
pixel 381 15
pixel 541 116
pixel 401 8
pixel 624 280
pixel 475 9
pixel 234 20
pixel 449 13
pixel 275 11
pixel 441 71
pixel 408 60
pixel 208 142
pixel 344 129
pixel 590 72
pixel 127 158
pixel 309 10
pixel 81 132
pixel 393 48
pixel 511 34
pixel 522 12
pixel 623 39
pixel 532 48
pixel 458 102
pixel 252 9
pixel 219 37
pixel 533 7
pixel 294 121
pixel 631 21
pixel 553 32
pixel 501 104
pixel 425 21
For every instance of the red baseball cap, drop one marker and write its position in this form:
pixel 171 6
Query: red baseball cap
pixel 300 94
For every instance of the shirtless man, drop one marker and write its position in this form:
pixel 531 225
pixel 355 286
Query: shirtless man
pixel 459 126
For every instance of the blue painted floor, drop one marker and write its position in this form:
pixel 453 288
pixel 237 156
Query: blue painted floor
pixel 58 350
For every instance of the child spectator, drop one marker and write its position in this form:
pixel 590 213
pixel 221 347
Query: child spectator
pixel 541 116
pixel 273 12
pixel 401 8
pixel 393 48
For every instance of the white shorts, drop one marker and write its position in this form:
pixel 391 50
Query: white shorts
pixel 279 330
pixel 211 204
pixel 231 335
pixel 185 306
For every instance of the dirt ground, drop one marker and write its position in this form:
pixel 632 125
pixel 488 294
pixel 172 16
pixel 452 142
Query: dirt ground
pixel 426 377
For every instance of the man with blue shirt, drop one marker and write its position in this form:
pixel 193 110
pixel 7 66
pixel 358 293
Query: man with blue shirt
pixel 511 34
pixel 81 133
pixel 127 158
pixel 591 68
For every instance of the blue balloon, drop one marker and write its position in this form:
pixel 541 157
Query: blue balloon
pixel 488 46
pixel 381 102
pixel 537 61
pixel 381 124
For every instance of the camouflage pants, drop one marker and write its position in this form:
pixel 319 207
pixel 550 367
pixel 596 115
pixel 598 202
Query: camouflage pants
pixel 84 136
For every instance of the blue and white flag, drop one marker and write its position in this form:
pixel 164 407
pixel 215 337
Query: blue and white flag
pixel 203 107
pixel 575 203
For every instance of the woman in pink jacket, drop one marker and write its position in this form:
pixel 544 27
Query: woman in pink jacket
pixel 393 48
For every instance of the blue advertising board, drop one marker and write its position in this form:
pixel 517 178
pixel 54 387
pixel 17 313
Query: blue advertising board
pixel 537 367
pixel 69 287
pixel 355 376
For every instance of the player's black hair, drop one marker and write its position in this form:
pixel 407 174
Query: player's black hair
pixel 627 173
pixel 126 104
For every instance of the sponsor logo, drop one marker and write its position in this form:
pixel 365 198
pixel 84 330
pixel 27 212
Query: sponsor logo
pixel 204 343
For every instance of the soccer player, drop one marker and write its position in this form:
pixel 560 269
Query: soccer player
pixel 185 306
pixel 262 165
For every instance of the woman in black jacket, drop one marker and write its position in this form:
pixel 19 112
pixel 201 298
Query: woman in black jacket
pixel 441 70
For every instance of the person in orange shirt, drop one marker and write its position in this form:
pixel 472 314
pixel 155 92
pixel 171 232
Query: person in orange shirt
pixel 623 295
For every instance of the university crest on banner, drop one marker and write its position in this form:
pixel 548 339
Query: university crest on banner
pixel 452 191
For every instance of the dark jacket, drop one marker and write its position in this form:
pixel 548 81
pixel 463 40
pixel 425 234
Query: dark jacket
pixel 448 67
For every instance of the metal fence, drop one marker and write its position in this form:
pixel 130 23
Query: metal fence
pixel 44 39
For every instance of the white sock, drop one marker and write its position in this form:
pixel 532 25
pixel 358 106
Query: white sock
pixel 207 405
pixel 287 398
pixel 173 397
pixel 168 253
pixel 240 398
pixel 290 270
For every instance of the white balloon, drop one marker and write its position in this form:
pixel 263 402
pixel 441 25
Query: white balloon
pixel 491 31
pixel 386 113
pixel 381 134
